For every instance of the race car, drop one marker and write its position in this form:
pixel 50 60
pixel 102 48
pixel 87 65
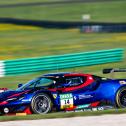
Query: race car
pixel 64 91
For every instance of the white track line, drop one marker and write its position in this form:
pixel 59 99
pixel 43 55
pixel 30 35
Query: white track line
pixel 104 120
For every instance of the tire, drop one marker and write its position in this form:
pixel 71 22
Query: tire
pixel 121 98
pixel 41 104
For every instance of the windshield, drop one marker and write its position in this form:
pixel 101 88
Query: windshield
pixel 39 82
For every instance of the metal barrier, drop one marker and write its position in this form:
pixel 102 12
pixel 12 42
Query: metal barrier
pixel 29 65
pixel 83 26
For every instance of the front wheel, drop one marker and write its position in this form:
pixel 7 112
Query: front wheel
pixel 41 104
pixel 121 98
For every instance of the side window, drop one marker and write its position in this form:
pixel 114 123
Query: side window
pixel 44 82
pixel 74 81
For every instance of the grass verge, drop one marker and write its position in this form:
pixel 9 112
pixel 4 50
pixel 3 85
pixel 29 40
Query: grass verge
pixel 21 42
pixel 62 115
pixel 9 2
pixel 113 11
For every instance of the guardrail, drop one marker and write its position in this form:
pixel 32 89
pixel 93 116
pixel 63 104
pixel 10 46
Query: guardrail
pixel 29 65
pixel 83 26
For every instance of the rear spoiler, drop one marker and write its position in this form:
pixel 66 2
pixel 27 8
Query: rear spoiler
pixel 112 70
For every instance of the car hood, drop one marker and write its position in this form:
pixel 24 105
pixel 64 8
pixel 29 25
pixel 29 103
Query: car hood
pixel 11 94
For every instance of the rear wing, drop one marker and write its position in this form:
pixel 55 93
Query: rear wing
pixel 113 70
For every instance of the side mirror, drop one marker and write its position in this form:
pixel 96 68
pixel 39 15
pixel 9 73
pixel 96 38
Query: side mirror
pixel 20 85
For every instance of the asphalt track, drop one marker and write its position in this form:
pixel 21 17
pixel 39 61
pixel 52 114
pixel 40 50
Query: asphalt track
pixel 103 120
pixel 53 3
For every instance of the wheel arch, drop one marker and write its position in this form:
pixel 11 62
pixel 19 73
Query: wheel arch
pixel 34 103
pixel 123 87
pixel 109 89
pixel 45 92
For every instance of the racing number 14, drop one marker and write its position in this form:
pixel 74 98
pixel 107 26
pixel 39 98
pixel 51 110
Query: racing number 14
pixel 66 101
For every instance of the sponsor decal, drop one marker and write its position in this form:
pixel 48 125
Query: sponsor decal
pixel 94 109
pixel 11 99
pixel 24 100
pixel 122 82
pixel 75 98
pixel 100 108
pixel 83 96
pixel 54 96
pixel 82 106
pixel 66 101
pixel 6 110
pixel 66 96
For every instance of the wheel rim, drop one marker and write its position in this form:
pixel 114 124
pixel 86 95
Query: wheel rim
pixel 41 104
pixel 123 99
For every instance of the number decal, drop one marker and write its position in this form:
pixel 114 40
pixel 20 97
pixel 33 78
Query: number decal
pixel 66 101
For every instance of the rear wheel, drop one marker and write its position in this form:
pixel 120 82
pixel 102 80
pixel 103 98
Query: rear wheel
pixel 121 98
pixel 41 104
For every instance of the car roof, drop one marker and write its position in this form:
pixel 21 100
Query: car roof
pixel 61 74
pixel 56 75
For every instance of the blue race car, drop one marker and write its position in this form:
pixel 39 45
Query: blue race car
pixel 64 91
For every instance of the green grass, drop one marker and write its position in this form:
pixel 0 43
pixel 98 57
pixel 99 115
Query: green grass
pixel 42 42
pixel 99 11
pixel 62 115
pixel 22 42
pixel 18 42
pixel 6 2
